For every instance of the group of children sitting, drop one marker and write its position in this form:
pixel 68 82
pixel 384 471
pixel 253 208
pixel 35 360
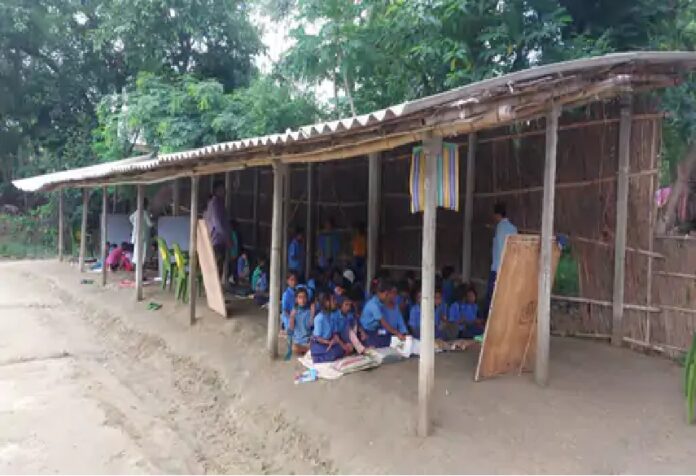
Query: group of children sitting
pixel 119 257
pixel 335 317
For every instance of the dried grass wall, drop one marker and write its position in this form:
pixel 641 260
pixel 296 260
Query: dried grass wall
pixel 509 168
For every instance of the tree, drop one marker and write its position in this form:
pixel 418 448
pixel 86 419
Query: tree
pixel 59 58
pixel 185 112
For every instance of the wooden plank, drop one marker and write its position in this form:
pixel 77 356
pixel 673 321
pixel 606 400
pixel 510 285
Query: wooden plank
pixel 211 278
pixel 374 188
pixel 139 248
pixel 285 227
pixel 546 268
pixel 176 196
pixel 255 212
pixel 276 239
pixel 426 361
pixel 104 249
pixel 309 232
pixel 193 254
pixel 61 225
pixel 83 230
pixel 512 318
pixel 468 207
pixel 621 220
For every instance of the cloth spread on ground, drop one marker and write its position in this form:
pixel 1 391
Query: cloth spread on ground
pixel 447 178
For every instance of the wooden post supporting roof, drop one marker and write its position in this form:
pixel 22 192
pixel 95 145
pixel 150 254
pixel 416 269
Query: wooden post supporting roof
pixel 541 368
pixel 140 247
pixel 621 220
pixel 279 171
pixel 255 213
pixel 310 222
pixel 193 251
pixel 468 207
pixel 83 229
pixel 373 212
pixel 61 225
pixel 285 227
pixel 176 196
pixel 103 247
pixel 426 367
pixel 228 215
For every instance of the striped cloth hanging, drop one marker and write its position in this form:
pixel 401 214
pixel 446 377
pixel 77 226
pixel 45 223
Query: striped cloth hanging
pixel 447 178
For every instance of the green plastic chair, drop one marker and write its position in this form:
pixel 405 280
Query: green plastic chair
pixel 690 380
pixel 167 265
pixel 182 273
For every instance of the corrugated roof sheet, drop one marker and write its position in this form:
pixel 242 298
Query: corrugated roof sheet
pixel 137 168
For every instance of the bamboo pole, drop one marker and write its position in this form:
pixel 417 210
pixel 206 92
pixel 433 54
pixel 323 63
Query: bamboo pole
pixel 61 224
pixel 541 369
pixel 599 302
pixel 255 212
pixel 310 223
pixel 468 207
pixel 276 240
pixel 672 274
pixel 104 248
pixel 228 215
pixel 565 185
pixel 83 230
pixel 374 187
pixel 193 250
pixel 426 367
pixel 621 220
pixel 652 207
pixel 176 196
pixel 139 248
pixel 286 219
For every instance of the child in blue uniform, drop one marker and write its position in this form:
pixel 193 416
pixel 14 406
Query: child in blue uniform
pixel 288 300
pixel 414 320
pixel 393 310
pixel 374 320
pixel 465 313
pixel 327 345
pixel 300 325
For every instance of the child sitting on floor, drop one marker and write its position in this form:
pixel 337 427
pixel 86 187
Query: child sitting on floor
pixel 345 323
pixel 448 288
pixel 117 257
pixel 327 345
pixel 300 326
pixel 261 285
pixel 464 313
pixel 288 300
pixel 258 270
pixel 242 268
pixel 414 321
pixel 374 319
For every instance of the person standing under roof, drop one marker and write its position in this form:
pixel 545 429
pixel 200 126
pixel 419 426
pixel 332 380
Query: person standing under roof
pixel 503 229
pixel 215 217
pixel 144 234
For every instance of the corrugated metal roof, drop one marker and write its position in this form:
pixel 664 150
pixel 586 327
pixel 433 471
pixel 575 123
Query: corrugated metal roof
pixel 162 167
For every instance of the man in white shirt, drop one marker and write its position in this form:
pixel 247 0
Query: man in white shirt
pixel 503 228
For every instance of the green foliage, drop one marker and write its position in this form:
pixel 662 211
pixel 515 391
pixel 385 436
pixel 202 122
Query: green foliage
pixel 186 112
pixel 59 59
pixel 30 235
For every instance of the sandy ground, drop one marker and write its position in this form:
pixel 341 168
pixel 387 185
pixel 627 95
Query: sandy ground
pixel 90 381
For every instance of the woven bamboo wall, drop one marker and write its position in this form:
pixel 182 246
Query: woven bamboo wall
pixel 509 168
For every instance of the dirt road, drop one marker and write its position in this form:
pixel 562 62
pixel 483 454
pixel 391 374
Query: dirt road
pixel 91 381
pixel 77 396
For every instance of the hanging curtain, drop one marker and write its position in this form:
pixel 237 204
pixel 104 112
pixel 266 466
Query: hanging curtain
pixel 447 178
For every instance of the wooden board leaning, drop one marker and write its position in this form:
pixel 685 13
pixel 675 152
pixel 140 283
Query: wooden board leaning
pixel 509 342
